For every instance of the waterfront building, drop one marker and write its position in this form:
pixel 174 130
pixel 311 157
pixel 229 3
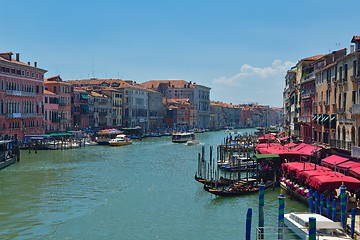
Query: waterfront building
pixel 289 101
pixel 304 73
pixel 326 89
pixel 116 96
pixel 80 109
pixel 217 118
pixel 21 97
pixel 156 113
pixel 64 90
pixel 51 114
pixel 100 110
pixel 198 95
pixel 177 114
pixel 347 96
pixel 355 79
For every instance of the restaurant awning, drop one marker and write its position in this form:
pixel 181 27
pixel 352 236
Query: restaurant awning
pixel 347 165
pixel 355 172
pixel 266 156
pixel 306 175
pixel 333 160
pixel 329 182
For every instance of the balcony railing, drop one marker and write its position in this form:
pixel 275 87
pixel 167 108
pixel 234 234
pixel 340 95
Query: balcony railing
pixel 305 119
pixel 21 115
pixel 340 144
pixel 20 93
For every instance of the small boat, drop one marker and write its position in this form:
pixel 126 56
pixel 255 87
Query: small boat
pixel 120 140
pixel 192 142
pixel 221 182
pixel 239 163
pixel 8 153
pixel 237 189
pixel 182 137
pixel 326 229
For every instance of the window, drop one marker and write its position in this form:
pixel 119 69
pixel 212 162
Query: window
pixel 353 97
pixel 22 73
pixel 32 75
pixel 354 68
pixel 12 71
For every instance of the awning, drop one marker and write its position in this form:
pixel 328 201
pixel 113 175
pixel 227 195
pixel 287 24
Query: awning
pixel 266 156
pixel 326 118
pixel 333 160
pixel 329 182
pixel 84 107
pixel 319 117
pixel 320 171
pixel 347 165
pixel 84 96
pixel 332 118
pixel 355 172
pixel 314 117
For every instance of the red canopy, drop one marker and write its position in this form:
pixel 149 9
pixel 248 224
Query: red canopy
pixel 333 160
pixel 347 165
pixel 306 175
pixel 328 182
pixel 299 166
pixel 355 172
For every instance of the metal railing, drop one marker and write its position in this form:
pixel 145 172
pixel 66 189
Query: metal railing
pixel 340 144
pixel 273 233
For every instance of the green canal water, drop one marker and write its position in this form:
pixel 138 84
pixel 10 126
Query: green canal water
pixel 142 191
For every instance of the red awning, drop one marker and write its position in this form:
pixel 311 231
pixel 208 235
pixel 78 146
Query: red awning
pixel 347 165
pixel 306 175
pixel 332 160
pixel 295 167
pixel 328 182
pixel 355 172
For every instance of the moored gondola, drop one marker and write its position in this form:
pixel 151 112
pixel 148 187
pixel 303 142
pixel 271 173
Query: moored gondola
pixel 235 190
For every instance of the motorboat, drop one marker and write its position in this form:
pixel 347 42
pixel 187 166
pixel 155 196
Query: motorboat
pixel 192 142
pixel 120 140
pixel 326 229
pixel 182 137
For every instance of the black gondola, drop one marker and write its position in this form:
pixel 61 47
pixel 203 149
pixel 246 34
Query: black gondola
pixel 235 190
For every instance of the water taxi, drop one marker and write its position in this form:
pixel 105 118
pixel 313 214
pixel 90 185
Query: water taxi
pixel 326 229
pixel 192 142
pixel 120 140
pixel 104 136
pixel 182 137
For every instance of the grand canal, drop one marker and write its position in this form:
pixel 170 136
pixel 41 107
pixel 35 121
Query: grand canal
pixel 142 191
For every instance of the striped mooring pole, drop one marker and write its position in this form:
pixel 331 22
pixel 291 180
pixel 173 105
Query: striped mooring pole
pixel 352 228
pixel 310 200
pixel 321 204
pixel 261 209
pixel 248 224
pixel 312 228
pixel 334 210
pixel 328 209
pixel 316 199
pixel 281 198
pixel 343 205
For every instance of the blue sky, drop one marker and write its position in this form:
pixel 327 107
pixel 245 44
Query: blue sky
pixel 241 49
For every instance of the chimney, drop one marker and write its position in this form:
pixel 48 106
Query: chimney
pixel 351 48
pixel 35 64
pixel 17 57
pixel 29 63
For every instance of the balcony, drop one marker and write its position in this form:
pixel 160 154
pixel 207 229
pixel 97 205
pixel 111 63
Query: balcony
pixel 20 93
pixel 352 78
pixel 305 95
pixel 340 144
pixel 341 110
pixel 21 115
pixel 305 119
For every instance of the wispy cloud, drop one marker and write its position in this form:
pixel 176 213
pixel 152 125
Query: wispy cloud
pixel 251 73
pixel 254 84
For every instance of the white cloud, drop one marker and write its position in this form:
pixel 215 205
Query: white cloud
pixel 248 72
pixel 253 84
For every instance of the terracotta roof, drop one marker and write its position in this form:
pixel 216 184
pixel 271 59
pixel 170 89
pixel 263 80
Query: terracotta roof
pixel 96 94
pixel 13 60
pixel 47 92
pixel 176 83
pixel 355 39
pixel 313 58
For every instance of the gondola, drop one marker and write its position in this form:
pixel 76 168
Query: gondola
pixel 221 182
pixel 237 190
